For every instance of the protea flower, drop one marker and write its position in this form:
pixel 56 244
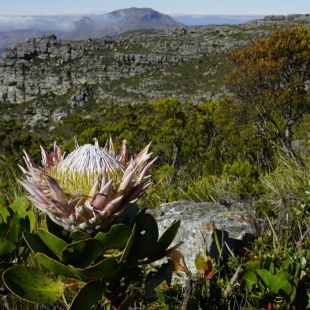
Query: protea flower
pixel 89 189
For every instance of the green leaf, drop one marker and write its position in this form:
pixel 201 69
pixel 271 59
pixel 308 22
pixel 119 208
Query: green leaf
pixel 55 266
pixel 78 235
pixel 296 272
pixel 32 286
pixel 284 274
pixel 15 229
pixel 104 269
pixel 163 254
pixel 4 227
pixel 138 221
pixel 127 302
pixel 247 279
pixel 254 265
pixel 82 253
pixel 285 264
pixel 2 202
pixel 265 275
pixel 4 213
pixel 165 240
pixel 20 205
pixel 201 264
pixel 55 244
pixel 116 238
pixel 3 268
pixel 31 221
pixel 36 245
pixel 131 273
pixel 155 278
pixel 146 236
pixel 269 265
pixel 128 245
pixel 290 298
pixel 57 230
pixel 6 247
pixel 217 241
pixel 279 285
pixel 88 295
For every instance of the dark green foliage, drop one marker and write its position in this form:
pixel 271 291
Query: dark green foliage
pixel 109 262
pixel 206 152
pixel 272 282
pixel 190 140
pixel 14 138
pixel 14 220
pixel 270 79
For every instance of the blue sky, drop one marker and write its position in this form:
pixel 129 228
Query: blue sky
pixel 172 7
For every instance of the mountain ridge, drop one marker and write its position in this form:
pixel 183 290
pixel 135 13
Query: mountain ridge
pixel 113 23
pixel 47 78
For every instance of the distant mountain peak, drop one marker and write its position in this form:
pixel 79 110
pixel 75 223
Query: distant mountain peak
pixel 146 14
pixel 121 21
pixel 139 18
pixel 93 26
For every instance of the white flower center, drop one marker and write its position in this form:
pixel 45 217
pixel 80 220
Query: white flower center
pixel 91 160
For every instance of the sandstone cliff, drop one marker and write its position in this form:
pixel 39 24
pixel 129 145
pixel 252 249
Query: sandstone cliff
pixel 138 66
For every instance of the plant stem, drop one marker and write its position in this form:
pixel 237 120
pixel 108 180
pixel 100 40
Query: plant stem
pixel 188 291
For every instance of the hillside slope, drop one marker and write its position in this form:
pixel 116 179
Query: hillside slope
pixel 50 77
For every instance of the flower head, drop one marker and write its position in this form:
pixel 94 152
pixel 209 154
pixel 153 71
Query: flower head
pixel 88 189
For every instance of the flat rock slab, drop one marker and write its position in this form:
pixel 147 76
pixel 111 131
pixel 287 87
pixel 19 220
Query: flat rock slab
pixel 198 221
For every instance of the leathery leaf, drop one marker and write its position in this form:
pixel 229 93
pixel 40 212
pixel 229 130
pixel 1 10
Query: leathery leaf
pixel 6 247
pixel 165 240
pixel 82 253
pixel 104 269
pixel 128 245
pixel 55 244
pixel 88 295
pixel 32 286
pixel 146 236
pixel 116 238
pixel 36 244
pixel 55 266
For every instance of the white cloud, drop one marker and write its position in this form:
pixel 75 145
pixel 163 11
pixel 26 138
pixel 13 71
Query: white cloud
pixel 55 22
pixel 59 22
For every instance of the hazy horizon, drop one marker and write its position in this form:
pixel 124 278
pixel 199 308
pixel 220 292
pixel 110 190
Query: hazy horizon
pixel 67 22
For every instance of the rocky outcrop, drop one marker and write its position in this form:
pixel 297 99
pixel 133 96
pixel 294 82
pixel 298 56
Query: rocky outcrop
pixel 188 63
pixel 198 221
pixel 287 17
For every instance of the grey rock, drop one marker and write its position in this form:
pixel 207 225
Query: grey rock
pixel 196 230
pixel 298 16
pixel 135 67
pixel 59 114
pixel 275 17
pixel 36 119
pixel 79 98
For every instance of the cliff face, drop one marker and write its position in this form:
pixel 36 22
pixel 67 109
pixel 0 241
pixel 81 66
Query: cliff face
pixel 143 64
pixel 138 66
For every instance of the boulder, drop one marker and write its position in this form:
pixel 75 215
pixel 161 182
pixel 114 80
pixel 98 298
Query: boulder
pixel 199 221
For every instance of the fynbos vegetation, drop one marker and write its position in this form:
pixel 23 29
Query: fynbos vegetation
pixel 95 245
